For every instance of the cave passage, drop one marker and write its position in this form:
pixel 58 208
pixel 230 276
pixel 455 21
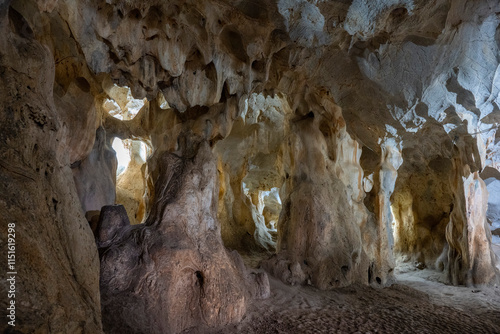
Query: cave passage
pixel 250 166
pixel 251 175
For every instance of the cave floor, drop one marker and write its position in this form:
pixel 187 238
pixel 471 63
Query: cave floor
pixel 418 303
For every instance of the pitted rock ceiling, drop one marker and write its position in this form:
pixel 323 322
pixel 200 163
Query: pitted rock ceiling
pixel 341 138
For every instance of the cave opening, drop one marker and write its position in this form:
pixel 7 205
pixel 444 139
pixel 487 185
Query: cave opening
pixel 422 209
pixel 122 149
pixel 130 177
pixel 251 176
pixel 266 207
pixel 120 102
pixel 432 201
pixel 131 153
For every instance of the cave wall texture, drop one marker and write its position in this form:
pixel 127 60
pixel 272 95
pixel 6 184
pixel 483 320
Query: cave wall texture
pixel 342 138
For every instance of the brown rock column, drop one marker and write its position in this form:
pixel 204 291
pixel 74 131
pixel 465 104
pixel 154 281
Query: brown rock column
pixel 319 236
pixel 172 272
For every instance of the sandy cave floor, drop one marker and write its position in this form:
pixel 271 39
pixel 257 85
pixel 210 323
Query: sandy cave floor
pixel 418 303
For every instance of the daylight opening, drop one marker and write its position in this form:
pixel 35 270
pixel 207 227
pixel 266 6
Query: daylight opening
pixel 130 177
pixel 131 154
pixel 121 104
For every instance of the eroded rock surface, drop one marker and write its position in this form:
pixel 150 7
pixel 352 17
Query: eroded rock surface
pixel 376 123
pixel 96 190
pixel 173 273
pixel 56 259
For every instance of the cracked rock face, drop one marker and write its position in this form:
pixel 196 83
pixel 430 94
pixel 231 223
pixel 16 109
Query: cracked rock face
pixel 342 139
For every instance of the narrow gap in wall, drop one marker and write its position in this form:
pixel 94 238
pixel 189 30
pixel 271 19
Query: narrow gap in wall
pixel 121 148
pixel 130 177
pixel 131 154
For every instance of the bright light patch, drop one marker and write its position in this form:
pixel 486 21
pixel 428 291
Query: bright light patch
pixel 394 226
pixel 144 151
pixel 122 104
pixel 448 127
pixel 392 130
pixel 113 108
pixel 275 192
pixel 162 103
pixel 122 155
pixel 134 105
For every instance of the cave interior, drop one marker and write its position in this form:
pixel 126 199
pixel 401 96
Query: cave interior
pixel 193 166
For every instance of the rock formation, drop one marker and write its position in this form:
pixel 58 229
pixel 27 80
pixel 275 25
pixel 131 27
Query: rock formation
pixel 339 140
pixel 56 258
pixel 172 273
